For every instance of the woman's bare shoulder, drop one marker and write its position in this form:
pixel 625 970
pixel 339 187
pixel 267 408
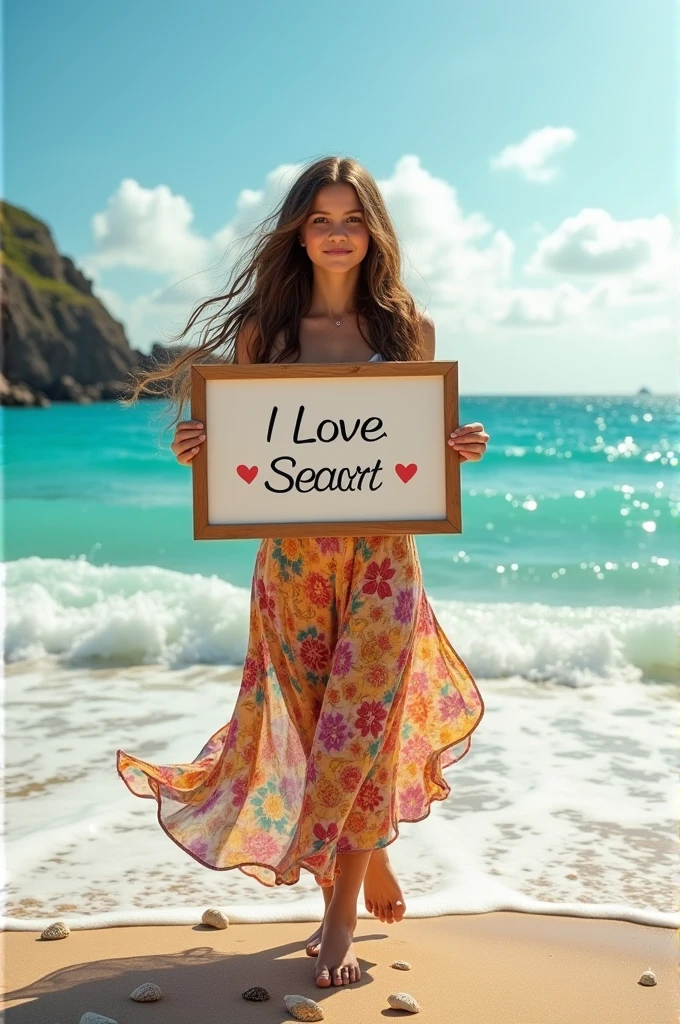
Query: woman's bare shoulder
pixel 429 334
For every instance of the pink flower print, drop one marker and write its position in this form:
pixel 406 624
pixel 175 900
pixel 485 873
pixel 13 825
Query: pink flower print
pixel 416 749
pixel 405 605
pixel 451 705
pixel 332 731
pixel 376 578
pixel 411 801
pixel 419 682
pixel 439 667
pixel 262 845
pixel 344 845
pixel 342 659
pixel 312 771
pixel 370 717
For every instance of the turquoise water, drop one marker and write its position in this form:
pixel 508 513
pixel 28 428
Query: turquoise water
pixel 572 503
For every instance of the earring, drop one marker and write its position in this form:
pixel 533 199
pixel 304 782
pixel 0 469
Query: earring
pixel 302 243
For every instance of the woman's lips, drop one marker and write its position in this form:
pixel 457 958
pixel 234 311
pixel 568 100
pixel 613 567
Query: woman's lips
pixel 337 252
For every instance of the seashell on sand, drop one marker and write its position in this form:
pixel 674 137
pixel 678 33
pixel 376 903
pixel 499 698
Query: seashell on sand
pixel 147 992
pixel 647 977
pixel 256 994
pixel 303 1008
pixel 403 1001
pixel 401 965
pixel 96 1018
pixel 215 918
pixel 56 930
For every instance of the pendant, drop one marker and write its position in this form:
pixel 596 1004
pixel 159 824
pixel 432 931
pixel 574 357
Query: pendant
pixel 338 322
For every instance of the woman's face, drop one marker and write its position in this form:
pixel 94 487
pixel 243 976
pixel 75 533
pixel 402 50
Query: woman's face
pixel 335 233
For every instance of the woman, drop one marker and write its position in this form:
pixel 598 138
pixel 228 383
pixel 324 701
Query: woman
pixel 352 699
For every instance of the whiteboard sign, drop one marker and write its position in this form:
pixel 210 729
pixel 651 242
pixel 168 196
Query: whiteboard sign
pixel 333 449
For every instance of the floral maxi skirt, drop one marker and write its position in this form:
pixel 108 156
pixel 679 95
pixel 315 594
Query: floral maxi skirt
pixel 352 701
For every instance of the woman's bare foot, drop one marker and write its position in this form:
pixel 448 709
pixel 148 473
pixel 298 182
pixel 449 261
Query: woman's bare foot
pixel 314 940
pixel 337 963
pixel 382 893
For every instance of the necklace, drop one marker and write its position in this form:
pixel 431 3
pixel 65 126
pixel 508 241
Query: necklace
pixel 338 322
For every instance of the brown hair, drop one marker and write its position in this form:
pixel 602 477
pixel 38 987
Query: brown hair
pixel 274 279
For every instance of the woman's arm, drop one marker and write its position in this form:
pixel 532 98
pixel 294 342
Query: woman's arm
pixel 470 439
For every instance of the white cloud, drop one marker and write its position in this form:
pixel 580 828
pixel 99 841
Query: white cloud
pixel 540 307
pixel 633 260
pixel 152 229
pixel 452 259
pixel 148 229
pixel 530 156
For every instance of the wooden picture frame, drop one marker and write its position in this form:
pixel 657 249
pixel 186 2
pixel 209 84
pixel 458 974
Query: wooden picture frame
pixel 203 374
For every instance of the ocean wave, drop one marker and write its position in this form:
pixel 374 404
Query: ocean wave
pixel 111 615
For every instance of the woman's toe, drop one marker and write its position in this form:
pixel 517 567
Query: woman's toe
pixel 337 976
pixel 323 978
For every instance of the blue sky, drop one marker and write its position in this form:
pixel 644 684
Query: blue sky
pixel 526 152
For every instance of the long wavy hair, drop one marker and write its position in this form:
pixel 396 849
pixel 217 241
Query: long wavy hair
pixel 271 287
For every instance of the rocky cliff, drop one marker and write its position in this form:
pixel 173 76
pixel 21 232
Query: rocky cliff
pixel 59 342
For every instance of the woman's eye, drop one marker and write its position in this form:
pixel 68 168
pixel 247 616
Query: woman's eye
pixel 353 217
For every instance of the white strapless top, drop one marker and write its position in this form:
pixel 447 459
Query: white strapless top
pixel 377 358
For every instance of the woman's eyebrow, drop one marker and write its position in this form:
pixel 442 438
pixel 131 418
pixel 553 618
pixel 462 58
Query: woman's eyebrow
pixel 327 213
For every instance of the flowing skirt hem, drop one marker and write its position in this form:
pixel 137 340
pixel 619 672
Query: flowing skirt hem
pixel 309 857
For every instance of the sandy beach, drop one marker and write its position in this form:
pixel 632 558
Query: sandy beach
pixel 496 968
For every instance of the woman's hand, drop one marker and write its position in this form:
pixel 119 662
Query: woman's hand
pixel 470 441
pixel 187 440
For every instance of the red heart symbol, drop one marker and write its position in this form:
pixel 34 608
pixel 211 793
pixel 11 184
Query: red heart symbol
pixel 406 472
pixel 247 473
